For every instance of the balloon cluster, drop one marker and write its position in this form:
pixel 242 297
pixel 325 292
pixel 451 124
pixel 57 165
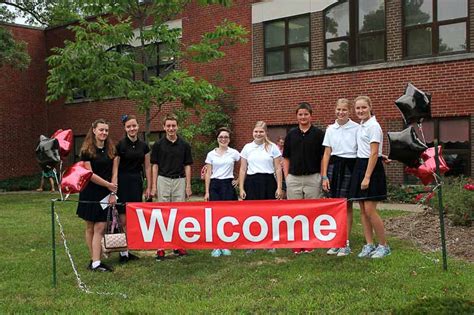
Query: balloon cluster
pixel 50 152
pixel 406 147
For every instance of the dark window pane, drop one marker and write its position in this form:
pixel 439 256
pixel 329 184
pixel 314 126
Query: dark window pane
pixel 419 42
pixel 371 48
pixel 337 21
pixel 418 11
pixel 299 58
pixel 458 163
pixel 275 34
pixel 371 15
pixel 337 53
pixel 451 9
pixel 298 30
pixel 274 62
pixel 452 37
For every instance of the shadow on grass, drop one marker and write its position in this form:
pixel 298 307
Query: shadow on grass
pixel 438 306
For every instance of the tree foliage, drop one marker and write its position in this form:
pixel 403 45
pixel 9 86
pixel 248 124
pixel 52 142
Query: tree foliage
pixel 93 62
pixel 12 52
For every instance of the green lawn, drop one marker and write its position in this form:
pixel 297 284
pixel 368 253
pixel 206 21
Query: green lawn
pixel 408 281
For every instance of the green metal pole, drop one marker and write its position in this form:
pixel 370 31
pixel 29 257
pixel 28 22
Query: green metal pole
pixel 53 243
pixel 441 210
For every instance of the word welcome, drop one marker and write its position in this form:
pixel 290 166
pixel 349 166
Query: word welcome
pixel 244 224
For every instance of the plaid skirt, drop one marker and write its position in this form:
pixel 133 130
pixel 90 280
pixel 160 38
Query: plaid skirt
pixel 377 189
pixel 340 176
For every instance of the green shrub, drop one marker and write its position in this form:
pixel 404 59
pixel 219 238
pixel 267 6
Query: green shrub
pixel 404 193
pixel 197 186
pixel 458 201
pixel 30 182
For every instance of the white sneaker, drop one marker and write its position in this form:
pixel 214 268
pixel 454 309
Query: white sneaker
pixel 333 251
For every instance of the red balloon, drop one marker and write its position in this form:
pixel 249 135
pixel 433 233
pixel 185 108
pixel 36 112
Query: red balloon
pixel 76 178
pixel 65 139
pixel 429 157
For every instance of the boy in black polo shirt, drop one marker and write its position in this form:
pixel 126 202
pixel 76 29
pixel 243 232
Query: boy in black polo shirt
pixel 171 161
pixel 302 153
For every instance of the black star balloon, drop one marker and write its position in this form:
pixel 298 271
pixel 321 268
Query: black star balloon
pixel 406 147
pixel 47 153
pixel 415 105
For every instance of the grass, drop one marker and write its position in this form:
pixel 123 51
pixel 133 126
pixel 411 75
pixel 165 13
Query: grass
pixel 406 282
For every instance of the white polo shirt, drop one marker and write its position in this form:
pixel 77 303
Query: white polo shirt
pixel 258 159
pixel 368 132
pixel 222 165
pixel 342 139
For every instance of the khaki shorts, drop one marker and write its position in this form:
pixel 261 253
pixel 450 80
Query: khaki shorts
pixel 304 186
pixel 170 189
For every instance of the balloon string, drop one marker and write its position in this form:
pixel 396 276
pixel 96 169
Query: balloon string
pixel 421 131
pixel 58 182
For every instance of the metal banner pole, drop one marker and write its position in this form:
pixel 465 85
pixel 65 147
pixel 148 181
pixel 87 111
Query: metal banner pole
pixel 441 209
pixel 53 243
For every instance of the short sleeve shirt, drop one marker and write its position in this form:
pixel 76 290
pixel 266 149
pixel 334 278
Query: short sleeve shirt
pixel 171 157
pixel 101 164
pixel 368 132
pixel 342 139
pixel 222 165
pixel 259 159
pixel 132 155
pixel 304 150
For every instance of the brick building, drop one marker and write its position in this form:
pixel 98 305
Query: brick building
pixel 298 50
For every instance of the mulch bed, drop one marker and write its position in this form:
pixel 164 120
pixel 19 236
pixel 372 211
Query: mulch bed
pixel 424 230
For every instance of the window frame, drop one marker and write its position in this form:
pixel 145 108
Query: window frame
pixel 434 24
pixel 286 47
pixel 354 36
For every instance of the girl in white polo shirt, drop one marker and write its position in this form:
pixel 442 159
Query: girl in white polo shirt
pixel 338 162
pixel 368 184
pixel 220 175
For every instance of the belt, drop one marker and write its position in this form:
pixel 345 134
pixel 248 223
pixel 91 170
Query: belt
pixel 174 176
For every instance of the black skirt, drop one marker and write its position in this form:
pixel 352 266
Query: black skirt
pixel 260 187
pixel 221 189
pixel 92 210
pixel 340 175
pixel 130 189
pixel 377 189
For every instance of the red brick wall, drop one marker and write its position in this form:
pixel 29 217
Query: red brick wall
pixel 22 107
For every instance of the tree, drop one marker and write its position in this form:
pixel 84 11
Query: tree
pixel 34 12
pixel 102 62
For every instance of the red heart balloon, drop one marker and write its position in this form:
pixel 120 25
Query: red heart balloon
pixel 65 138
pixel 76 178
pixel 429 157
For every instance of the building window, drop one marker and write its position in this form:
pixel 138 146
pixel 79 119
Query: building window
pixel 160 61
pixel 78 140
pixel 155 136
pixel 453 136
pixel 434 27
pixel 355 33
pixel 287 45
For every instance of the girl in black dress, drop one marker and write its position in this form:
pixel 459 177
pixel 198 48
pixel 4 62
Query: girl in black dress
pixel 98 152
pixel 133 159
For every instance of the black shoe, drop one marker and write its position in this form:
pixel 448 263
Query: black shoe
pixel 126 259
pixel 180 252
pixel 103 268
pixel 89 266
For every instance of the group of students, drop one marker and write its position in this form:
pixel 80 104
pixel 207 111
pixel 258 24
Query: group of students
pixel 343 162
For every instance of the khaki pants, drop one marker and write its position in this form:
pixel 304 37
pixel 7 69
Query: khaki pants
pixel 170 189
pixel 304 186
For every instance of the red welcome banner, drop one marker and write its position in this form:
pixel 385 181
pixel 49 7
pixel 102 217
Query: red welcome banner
pixel 318 223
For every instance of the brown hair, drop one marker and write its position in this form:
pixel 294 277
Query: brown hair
pixel 170 117
pixel 304 105
pixel 221 129
pixel 89 145
pixel 263 125
pixel 126 118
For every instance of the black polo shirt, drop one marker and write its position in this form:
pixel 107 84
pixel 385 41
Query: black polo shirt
pixel 101 164
pixel 171 157
pixel 132 155
pixel 304 150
